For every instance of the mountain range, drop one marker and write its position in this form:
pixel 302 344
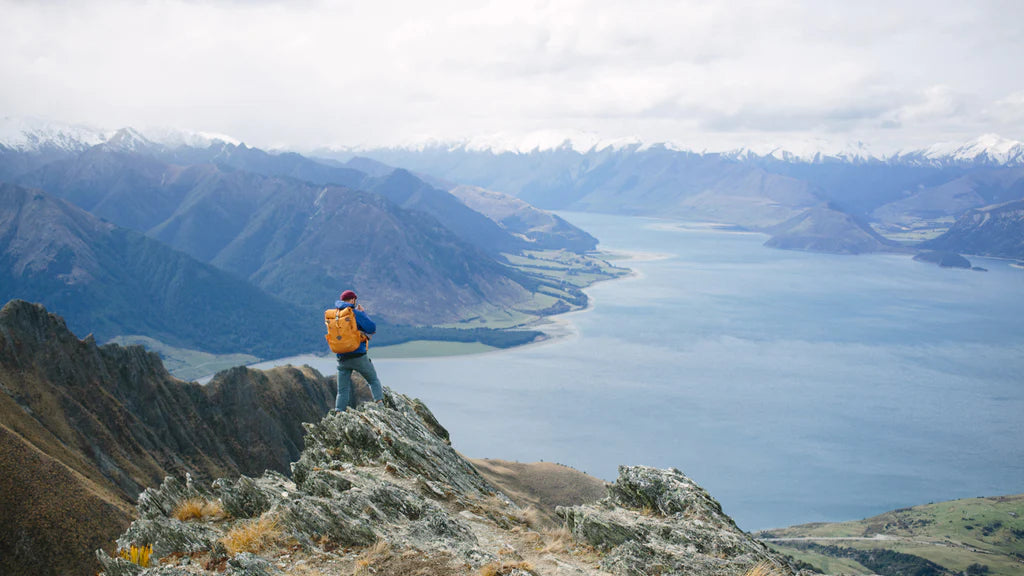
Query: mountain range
pixel 295 239
pixel 280 233
pixel 914 194
pixel 426 243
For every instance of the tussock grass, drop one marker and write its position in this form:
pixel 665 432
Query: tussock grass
pixel 764 568
pixel 503 513
pixel 199 509
pixel 505 568
pixel 557 541
pixel 382 558
pixel 137 554
pixel 253 535
pixel 371 557
pixel 533 517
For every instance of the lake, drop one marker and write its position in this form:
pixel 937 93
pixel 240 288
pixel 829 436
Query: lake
pixel 794 387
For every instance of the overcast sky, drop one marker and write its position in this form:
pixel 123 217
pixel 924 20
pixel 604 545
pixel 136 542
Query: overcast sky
pixel 701 74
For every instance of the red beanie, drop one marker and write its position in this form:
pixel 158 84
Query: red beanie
pixel 348 295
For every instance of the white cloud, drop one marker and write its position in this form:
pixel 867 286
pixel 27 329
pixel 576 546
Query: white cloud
pixel 323 72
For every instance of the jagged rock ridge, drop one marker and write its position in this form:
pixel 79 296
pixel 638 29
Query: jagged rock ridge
pixel 387 474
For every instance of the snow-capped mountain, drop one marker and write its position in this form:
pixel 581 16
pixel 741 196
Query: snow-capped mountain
pixel 175 138
pixel 29 134
pixel 502 142
pixel 990 149
pixel 810 151
pixel 34 135
pixel 128 140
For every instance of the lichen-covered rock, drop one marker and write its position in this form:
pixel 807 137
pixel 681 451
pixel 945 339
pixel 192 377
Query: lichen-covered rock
pixel 401 432
pixel 242 498
pixel 247 564
pixel 116 566
pixel 162 501
pixel 168 535
pixel 660 521
pixel 384 477
pixel 381 472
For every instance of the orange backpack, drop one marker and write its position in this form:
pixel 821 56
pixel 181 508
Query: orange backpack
pixel 342 333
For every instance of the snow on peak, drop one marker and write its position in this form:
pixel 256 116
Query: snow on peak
pixel 176 138
pixel 35 134
pixel 128 140
pixel 810 150
pixel 537 141
pixel 988 148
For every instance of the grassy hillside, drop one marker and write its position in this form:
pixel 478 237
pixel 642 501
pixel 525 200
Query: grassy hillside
pixel 970 536
pixel 541 485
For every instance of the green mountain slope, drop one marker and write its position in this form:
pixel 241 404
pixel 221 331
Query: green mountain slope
pixel 111 281
pixel 991 231
pixel 300 241
pixel 974 536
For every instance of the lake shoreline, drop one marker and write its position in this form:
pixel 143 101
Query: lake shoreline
pixel 555 327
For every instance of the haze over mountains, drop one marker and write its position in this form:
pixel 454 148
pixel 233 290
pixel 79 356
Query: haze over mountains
pixel 907 192
pixel 428 240
pixel 280 233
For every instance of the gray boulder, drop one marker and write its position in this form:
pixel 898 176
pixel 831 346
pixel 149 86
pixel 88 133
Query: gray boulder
pixel 661 522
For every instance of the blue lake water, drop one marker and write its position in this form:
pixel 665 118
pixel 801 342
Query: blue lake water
pixel 795 387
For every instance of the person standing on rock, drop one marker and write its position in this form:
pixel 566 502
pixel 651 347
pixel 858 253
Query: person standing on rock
pixel 357 360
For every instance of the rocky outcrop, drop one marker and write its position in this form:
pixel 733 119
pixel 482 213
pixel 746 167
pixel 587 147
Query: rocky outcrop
pixel 385 472
pixel 381 487
pixel 661 522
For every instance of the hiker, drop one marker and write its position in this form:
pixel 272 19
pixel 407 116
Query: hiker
pixel 357 359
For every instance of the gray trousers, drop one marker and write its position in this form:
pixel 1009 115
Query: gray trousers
pixel 364 366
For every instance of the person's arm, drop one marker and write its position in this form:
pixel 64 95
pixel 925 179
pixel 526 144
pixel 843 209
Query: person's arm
pixel 363 321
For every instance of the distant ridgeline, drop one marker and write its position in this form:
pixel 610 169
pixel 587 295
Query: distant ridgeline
pixel 908 197
pixel 180 243
pixel 229 249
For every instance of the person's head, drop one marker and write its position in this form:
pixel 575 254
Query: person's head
pixel 348 296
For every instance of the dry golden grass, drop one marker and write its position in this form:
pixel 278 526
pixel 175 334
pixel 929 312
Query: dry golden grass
pixel 505 568
pixel 253 535
pixel 544 485
pixel 502 512
pixel 764 568
pixel 137 554
pixel 371 557
pixel 650 511
pixel 199 509
pixel 557 541
pixel 381 559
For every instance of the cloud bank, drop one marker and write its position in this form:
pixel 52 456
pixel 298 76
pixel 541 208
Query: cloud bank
pixel 313 73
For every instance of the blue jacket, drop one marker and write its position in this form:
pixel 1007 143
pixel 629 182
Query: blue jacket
pixel 364 324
